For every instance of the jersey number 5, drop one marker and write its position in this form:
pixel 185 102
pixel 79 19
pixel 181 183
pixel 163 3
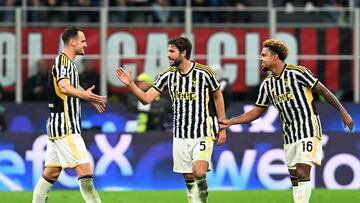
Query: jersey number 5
pixel 203 145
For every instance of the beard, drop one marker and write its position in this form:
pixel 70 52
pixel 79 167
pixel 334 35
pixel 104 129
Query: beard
pixel 176 62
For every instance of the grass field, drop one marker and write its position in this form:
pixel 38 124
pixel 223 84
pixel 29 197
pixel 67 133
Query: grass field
pixel 248 196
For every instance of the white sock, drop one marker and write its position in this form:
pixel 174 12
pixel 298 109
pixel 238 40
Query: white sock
pixel 88 191
pixel 202 192
pixel 304 191
pixel 191 191
pixel 295 190
pixel 41 190
pixel 294 182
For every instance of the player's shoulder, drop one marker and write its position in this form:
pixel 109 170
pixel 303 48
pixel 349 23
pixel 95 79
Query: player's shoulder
pixel 202 67
pixel 267 78
pixel 168 69
pixel 296 68
pixel 63 60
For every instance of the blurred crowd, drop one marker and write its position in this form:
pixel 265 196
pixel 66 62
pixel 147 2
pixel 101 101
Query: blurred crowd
pixel 157 11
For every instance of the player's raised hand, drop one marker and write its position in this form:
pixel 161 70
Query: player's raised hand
pixel 124 76
pixel 347 120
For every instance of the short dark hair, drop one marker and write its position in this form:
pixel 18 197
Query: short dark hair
pixel 278 47
pixel 182 43
pixel 70 33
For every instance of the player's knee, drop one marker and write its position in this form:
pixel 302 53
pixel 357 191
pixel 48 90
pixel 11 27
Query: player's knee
pixel 301 173
pixel 51 178
pixel 198 174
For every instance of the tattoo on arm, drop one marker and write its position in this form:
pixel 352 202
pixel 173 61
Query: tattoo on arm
pixel 328 96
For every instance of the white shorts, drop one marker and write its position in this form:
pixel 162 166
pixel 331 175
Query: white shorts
pixel 66 152
pixel 186 151
pixel 307 151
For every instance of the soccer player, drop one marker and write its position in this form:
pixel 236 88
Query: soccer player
pixel 289 88
pixel 65 147
pixel 190 85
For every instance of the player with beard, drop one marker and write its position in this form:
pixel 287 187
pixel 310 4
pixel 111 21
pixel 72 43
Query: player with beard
pixel 289 88
pixel 189 85
pixel 65 146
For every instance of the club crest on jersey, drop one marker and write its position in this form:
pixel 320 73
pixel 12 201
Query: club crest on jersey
pixel 286 82
pixel 194 83
pixel 175 84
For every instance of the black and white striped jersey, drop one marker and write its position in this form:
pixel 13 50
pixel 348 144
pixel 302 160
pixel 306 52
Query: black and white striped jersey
pixel 64 110
pixel 291 94
pixel 190 94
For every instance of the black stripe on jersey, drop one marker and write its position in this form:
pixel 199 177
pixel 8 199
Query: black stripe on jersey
pixel 286 105
pixel 186 108
pixel 296 111
pixel 308 124
pixel 178 106
pixel 281 106
pixel 297 96
pixel 194 109
pixel 202 101
pixel 270 96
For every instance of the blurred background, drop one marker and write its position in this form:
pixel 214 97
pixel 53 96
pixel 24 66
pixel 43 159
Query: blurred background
pixel 132 143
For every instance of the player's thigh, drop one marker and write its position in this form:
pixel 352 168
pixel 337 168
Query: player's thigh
pixel 310 151
pixel 201 150
pixel 72 151
pixel 181 156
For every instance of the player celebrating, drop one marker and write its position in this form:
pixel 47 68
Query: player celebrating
pixel 289 88
pixel 189 84
pixel 65 147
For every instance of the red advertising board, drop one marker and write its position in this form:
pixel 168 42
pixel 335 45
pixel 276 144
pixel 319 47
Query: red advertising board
pixel 144 50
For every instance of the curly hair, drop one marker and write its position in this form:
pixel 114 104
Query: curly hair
pixel 278 47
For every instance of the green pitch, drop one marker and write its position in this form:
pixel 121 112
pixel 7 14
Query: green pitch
pixel 244 196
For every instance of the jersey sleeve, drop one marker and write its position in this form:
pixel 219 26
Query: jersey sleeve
pixel 263 96
pixel 62 69
pixel 307 79
pixel 213 83
pixel 160 83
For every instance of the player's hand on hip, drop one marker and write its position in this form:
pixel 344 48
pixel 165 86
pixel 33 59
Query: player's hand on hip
pixel 221 138
pixel 124 76
pixel 348 121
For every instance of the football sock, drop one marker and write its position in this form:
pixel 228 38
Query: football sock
pixel 87 189
pixel 304 190
pixel 203 189
pixel 294 182
pixel 42 189
pixel 190 190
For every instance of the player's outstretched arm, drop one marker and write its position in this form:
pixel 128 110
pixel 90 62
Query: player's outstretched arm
pixel 144 97
pixel 247 117
pixel 68 89
pixel 333 101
